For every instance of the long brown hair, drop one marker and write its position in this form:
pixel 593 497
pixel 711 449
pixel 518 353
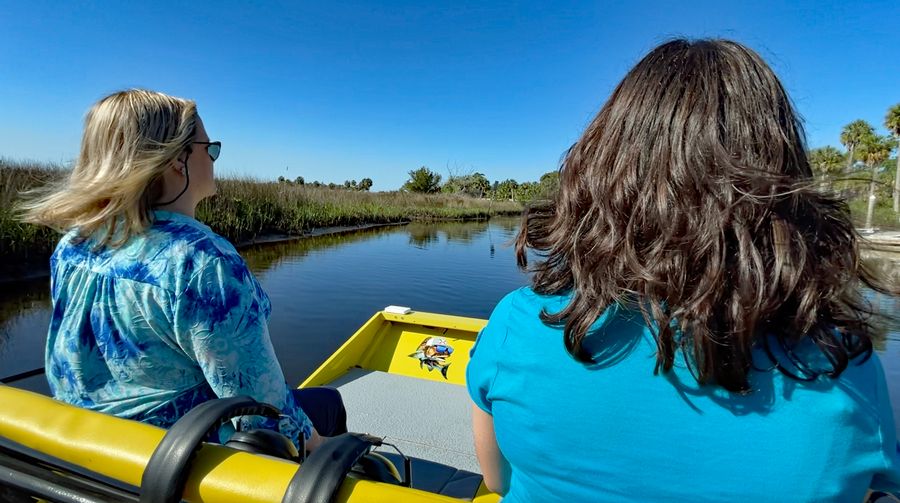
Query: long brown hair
pixel 689 197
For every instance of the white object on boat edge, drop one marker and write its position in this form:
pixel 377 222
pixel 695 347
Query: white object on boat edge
pixel 397 310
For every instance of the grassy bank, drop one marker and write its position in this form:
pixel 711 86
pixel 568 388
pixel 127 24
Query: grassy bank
pixel 242 211
pixel 883 217
pixel 246 209
pixel 23 248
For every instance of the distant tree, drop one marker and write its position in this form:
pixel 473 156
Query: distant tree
pixel 478 185
pixel 892 123
pixel 423 180
pixel 299 180
pixel 474 185
pixel 549 184
pixel 528 191
pixel 347 184
pixel 506 190
pixel 826 162
pixel 281 179
pixel 852 135
pixel 332 185
pixel 873 151
pixel 451 186
pixel 365 184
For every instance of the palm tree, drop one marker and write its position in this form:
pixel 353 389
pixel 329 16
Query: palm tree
pixel 892 123
pixel 852 135
pixel 873 150
pixel 825 162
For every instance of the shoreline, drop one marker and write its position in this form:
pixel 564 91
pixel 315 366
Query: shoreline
pixel 881 241
pixel 312 233
pixel 44 273
pixel 883 245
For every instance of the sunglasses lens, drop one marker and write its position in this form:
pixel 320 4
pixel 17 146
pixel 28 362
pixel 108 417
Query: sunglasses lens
pixel 214 149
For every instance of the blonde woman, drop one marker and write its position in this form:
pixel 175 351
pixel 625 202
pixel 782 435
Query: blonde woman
pixel 153 312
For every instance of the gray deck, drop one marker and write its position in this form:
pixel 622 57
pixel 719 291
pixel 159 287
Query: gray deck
pixel 425 419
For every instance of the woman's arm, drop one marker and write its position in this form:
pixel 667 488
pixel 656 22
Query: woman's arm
pixel 314 441
pixel 221 323
pixel 494 466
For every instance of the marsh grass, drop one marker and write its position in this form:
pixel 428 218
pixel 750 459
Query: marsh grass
pixel 24 248
pixel 243 210
pixel 246 209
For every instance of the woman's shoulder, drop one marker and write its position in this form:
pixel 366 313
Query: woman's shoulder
pixel 172 251
pixel 66 241
pixel 519 311
pixel 863 377
pixel 189 238
pixel 857 398
pixel 526 302
pixel 864 380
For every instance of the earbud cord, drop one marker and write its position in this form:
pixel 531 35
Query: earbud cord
pixel 187 181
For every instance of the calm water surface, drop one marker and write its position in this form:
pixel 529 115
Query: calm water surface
pixel 324 288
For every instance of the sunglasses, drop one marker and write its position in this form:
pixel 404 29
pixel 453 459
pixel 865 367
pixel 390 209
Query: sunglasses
pixel 213 148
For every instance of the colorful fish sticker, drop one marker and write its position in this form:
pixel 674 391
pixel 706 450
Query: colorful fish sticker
pixel 433 353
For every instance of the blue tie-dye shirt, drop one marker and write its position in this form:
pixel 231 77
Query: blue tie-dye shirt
pixel 169 320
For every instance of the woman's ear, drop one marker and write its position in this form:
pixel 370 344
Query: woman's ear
pixel 182 159
pixel 177 165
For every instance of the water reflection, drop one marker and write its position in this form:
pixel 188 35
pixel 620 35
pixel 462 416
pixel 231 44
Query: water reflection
pixel 885 323
pixel 423 235
pixel 261 258
pixel 18 302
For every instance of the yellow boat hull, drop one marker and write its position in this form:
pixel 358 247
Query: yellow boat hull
pixel 385 341
pixel 120 449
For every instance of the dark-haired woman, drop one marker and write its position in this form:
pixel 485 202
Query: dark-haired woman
pixel 695 329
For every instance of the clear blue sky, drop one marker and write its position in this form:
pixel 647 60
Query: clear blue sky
pixel 344 90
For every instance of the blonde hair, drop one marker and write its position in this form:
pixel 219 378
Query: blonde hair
pixel 130 138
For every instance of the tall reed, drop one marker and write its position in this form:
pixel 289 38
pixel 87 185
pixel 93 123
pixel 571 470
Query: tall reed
pixel 244 210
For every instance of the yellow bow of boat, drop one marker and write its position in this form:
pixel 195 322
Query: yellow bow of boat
pixel 401 375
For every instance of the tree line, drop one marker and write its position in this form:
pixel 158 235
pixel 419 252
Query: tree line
pixel 426 181
pixel 866 159
pixel 363 185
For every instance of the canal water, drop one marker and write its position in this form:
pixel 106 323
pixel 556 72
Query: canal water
pixel 323 288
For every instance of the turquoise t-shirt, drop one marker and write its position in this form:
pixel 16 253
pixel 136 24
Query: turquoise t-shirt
pixel 613 431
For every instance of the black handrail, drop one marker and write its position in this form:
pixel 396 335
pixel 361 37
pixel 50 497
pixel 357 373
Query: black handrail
pixel 58 481
pixel 167 470
pixel 22 375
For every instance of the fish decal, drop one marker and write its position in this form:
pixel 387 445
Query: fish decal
pixel 433 353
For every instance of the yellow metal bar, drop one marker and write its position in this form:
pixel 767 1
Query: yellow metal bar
pixel 473 325
pixel 120 448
